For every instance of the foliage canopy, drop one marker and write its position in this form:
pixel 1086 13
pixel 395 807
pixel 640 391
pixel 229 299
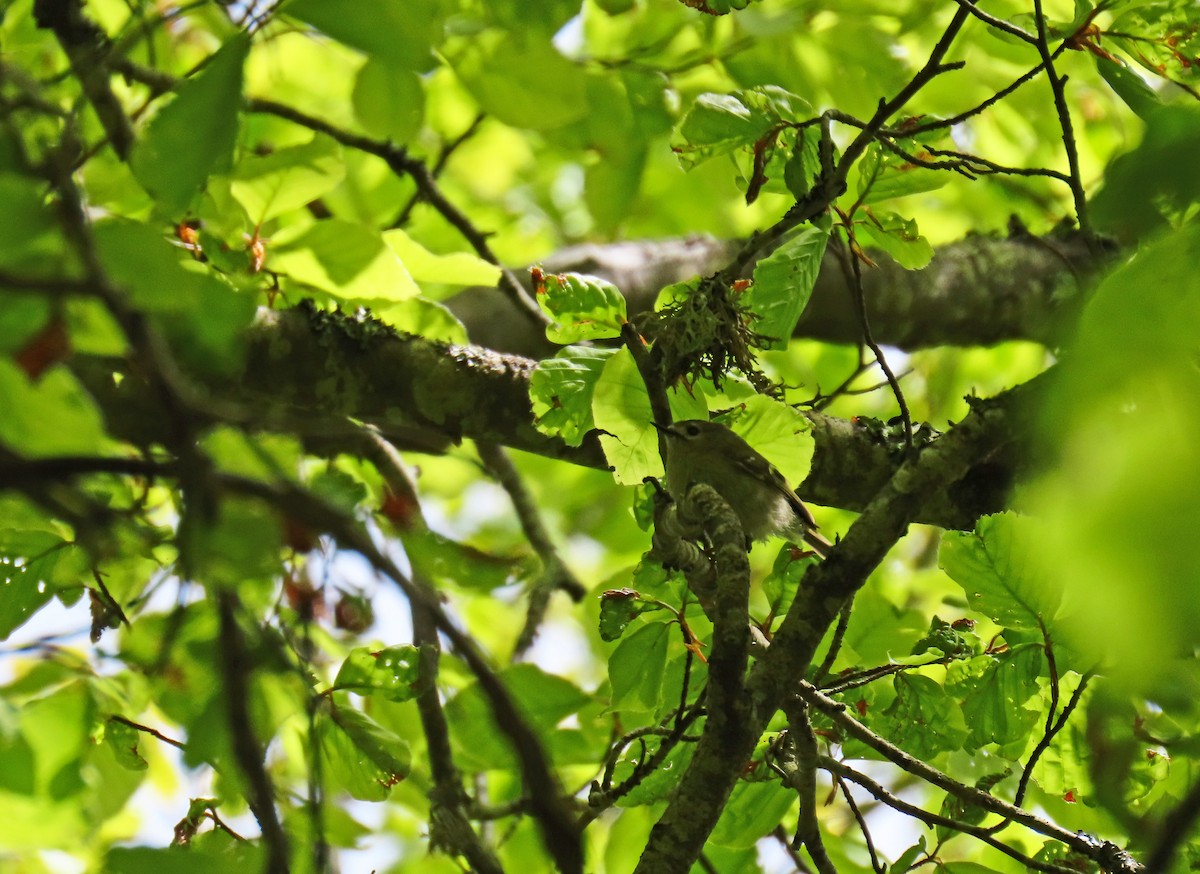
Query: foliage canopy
pixel 371 561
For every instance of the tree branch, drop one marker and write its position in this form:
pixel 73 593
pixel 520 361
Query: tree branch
pixel 975 292
pixel 246 749
pixel 423 394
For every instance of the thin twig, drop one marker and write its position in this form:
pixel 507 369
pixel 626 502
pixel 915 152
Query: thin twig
pixel 555 573
pixel 247 752
pixel 858 296
pixel 933 819
pixel 802 777
pixel 998 23
pixel 145 729
pixel 542 788
pixel 1104 852
pixel 1058 87
pixel 1176 827
pixel 449 828
pixel 439 164
pixel 925 127
pixel 835 644
pixel 876 865
pixel 785 844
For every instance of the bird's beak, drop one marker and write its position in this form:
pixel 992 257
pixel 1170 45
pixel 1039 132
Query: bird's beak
pixel 665 430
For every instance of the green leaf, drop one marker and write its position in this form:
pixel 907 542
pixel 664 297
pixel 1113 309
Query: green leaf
pixel 582 307
pixel 339 488
pixel 993 691
pixel 779 432
pixel 1129 86
pixel 716 7
pixel 447 562
pixel 365 758
pixel 803 164
pixel 781 583
pixel 1157 182
pixel 57 729
pixel 1118 503
pixel 544 699
pixel 240 545
pixel 884 175
pixel 193 135
pixel 753 811
pixel 522 80
pixel 717 124
pixel 203 317
pixel 457 268
pixel 948 640
pixel 954 807
pixel 611 185
pixel 898 237
pixel 923 719
pixel 269 185
pixel 400 32
pixel 346 259
pixel 994 566
pixel 619 607
pixel 391 673
pixel 659 784
pixel 783 284
pixel 621 411
pixel 22 316
pixel 201 857
pixel 636 669
pixel 561 391
pixel 389 101
pixel 34 567
pixel 123 740
pixel 424 318
pixel 54 416
pixel 26 222
pixel 909 856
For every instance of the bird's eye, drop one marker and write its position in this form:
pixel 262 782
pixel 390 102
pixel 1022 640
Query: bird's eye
pixel 693 430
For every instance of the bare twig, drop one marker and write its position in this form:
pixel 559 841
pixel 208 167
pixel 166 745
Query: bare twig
pixel 449 827
pixel 1107 854
pixel 979 108
pixel 835 644
pixel 802 776
pixel 247 752
pixel 145 729
pixel 555 573
pixel 934 819
pixel 998 23
pixel 1058 87
pixel 876 865
pixel 1176 827
pixel 542 788
pixel 860 306
pixel 439 164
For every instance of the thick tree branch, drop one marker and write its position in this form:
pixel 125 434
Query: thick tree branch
pixel 423 395
pixel 976 292
pixel 727 739
pixel 825 589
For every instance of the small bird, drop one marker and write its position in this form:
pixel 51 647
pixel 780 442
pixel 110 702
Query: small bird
pixel 699 451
